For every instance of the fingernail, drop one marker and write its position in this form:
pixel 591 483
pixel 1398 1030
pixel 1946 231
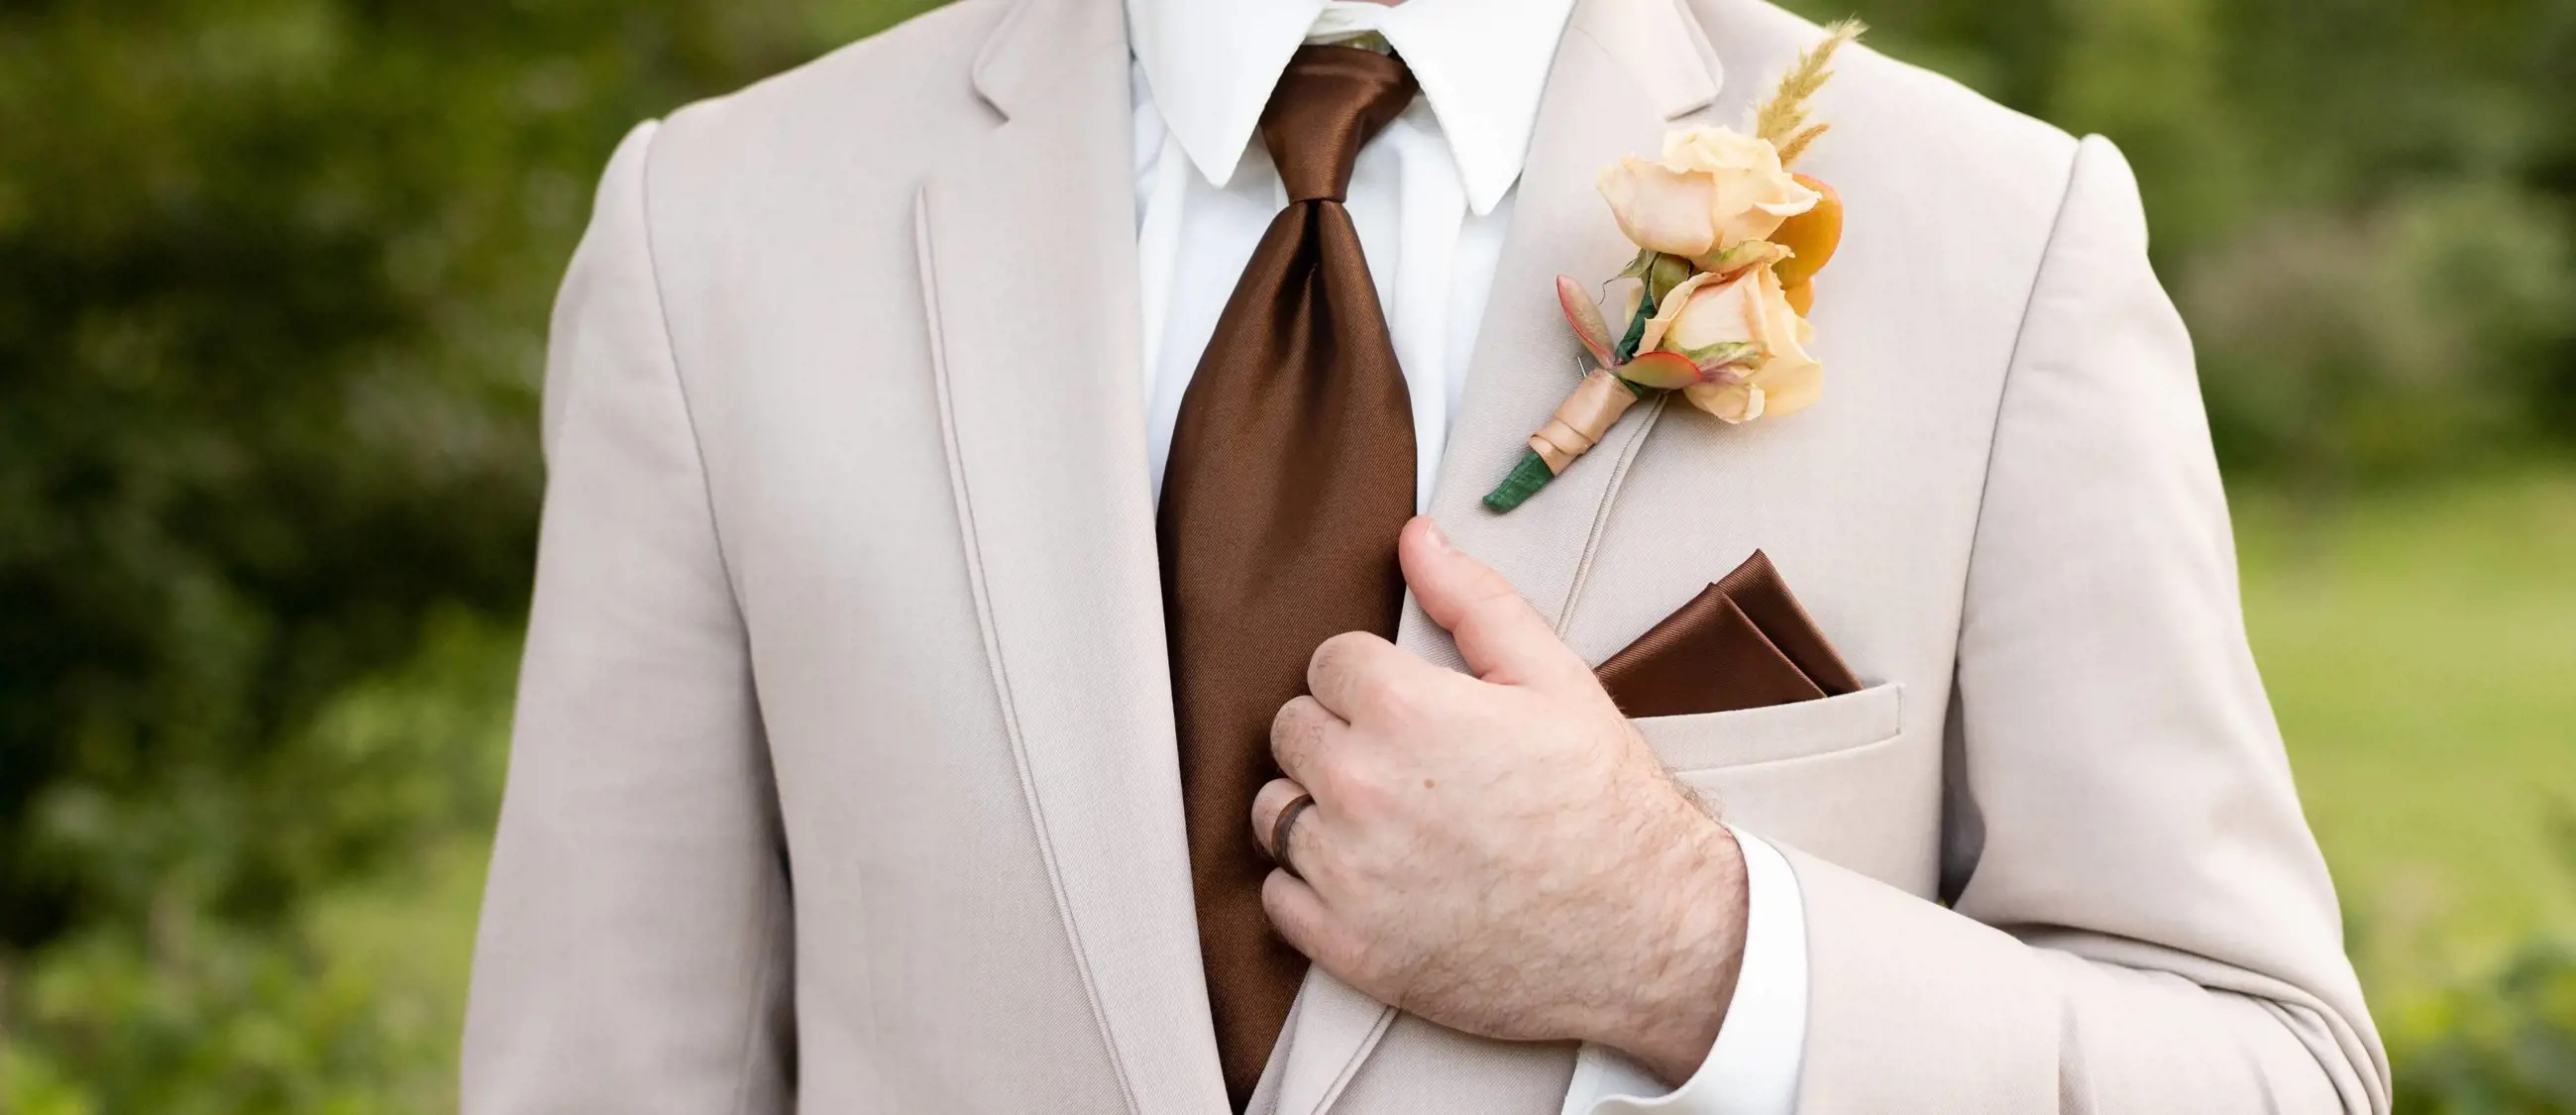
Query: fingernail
pixel 1439 537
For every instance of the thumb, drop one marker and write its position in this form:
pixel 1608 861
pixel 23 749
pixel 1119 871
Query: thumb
pixel 1503 639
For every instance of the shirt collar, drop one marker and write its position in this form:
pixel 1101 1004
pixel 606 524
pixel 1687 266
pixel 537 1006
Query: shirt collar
pixel 1481 63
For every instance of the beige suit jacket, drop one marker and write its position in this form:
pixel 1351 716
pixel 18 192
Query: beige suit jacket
pixel 844 772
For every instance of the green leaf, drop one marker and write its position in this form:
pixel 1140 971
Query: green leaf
pixel 1666 273
pixel 1638 266
pixel 1636 333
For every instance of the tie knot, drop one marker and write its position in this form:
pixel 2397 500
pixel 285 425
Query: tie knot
pixel 1328 103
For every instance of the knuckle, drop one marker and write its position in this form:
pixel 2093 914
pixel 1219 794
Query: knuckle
pixel 1369 698
pixel 1324 774
pixel 1282 912
pixel 1331 656
pixel 1344 668
pixel 1339 664
pixel 1269 804
pixel 1486 589
pixel 1486 584
pixel 1286 722
pixel 1354 642
pixel 1403 704
pixel 1358 788
pixel 1297 733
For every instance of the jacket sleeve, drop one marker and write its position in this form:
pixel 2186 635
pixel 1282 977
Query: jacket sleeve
pixel 2139 920
pixel 634 948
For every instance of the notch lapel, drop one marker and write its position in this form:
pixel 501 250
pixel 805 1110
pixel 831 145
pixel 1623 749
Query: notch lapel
pixel 1624 72
pixel 1028 260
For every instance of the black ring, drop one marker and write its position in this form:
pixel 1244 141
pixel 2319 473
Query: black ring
pixel 1279 834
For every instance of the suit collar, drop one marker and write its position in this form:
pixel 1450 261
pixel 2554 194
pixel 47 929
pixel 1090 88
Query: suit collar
pixel 1040 43
pixel 1481 64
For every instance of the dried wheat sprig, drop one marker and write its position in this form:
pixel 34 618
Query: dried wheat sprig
pixel 1783 118
pixel 1797 144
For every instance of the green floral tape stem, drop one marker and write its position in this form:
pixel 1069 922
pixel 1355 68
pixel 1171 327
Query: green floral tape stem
pixel 1526 478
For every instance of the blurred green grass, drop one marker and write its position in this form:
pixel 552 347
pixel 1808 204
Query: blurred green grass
pixel 2420 649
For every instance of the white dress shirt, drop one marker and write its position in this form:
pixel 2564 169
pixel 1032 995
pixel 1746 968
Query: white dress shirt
pixel 1432 197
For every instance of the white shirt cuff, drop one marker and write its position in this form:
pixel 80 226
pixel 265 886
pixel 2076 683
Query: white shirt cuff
pixel 1753 1067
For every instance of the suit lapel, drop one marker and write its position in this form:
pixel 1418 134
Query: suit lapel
pixel 1029 271
pixel 1624 71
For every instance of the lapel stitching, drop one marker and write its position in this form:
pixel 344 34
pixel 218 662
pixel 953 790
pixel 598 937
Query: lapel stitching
pixel 1023 235
pixel 1643 425
pixel 961 490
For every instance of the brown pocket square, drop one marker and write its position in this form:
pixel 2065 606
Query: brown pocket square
pixel 1741 643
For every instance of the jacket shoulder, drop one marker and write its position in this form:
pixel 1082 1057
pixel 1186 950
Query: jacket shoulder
pixel 1897 122
pixel 891 100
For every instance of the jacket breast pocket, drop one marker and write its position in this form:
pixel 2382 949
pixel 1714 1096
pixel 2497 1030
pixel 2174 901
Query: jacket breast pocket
pixel 1837 778
pixel 1762 735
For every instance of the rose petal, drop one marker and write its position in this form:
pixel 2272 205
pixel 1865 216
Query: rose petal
pixel 1659 209
pixel 1749 253
pixel 1721 311
pixel 1670 309
pixel 1789 387
pixel 1732 403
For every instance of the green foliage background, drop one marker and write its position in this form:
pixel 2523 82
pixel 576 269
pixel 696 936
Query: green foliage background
pixel 273 283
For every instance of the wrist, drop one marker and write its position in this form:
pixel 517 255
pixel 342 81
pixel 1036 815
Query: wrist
pixel 1693 956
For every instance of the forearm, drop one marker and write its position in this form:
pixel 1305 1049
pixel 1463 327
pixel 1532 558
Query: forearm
pixel 1752 1066
pixel 1670 1015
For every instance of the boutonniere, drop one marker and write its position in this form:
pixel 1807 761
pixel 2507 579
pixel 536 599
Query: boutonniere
pixel 1715 304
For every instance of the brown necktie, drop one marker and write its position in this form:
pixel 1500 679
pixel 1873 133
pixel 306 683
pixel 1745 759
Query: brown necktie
pixel 1291 472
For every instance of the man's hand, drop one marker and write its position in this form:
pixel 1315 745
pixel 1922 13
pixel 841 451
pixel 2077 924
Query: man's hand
pixel 1499 853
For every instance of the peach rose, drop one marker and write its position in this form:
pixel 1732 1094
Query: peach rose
pixel 1714 189
pixel 1749 345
